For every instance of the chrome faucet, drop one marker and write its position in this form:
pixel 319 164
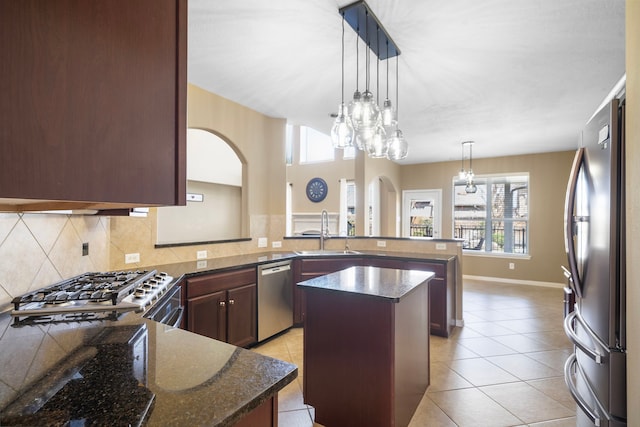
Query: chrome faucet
pixel 324 228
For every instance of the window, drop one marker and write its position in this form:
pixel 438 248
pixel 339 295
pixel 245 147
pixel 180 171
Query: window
pixel 495 218
pixel 351 208
pixel 315 146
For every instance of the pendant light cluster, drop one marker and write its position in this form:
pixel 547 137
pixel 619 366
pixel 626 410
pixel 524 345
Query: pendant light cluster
pixel 468 175
pixel 363 123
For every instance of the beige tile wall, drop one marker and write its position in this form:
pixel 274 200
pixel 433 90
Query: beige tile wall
pixel 39 249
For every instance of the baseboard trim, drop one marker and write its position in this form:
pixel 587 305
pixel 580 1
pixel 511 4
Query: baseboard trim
pixel 514 281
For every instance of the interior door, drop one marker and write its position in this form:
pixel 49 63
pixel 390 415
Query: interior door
pixel 422 213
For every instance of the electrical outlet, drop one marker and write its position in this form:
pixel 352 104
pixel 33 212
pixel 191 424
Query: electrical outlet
pixel 276 245
pixel 131 258
pixel 262 242
pixel 441 246
pixel 201 264
pixel 201 254
pixel 382 244
pixel 85 249
pixel 512 266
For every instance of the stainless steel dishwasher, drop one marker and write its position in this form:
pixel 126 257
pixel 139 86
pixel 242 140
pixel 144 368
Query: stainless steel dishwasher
pixel 275 299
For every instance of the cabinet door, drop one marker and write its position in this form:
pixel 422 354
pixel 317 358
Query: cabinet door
pixel 242 327
pixel 438 306
pixel 93 102
pixel 441 298
pixel 207 315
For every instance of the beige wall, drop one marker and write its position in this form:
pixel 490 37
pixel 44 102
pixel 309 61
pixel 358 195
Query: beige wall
pixel 260 142
pixel 300 174
pixel 633 207
pixel 363 170
pixel 548 175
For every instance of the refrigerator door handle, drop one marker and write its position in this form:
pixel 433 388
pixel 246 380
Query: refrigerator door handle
pixel 569 323
pixel 591 413
pixel 567 274
pixel 570 220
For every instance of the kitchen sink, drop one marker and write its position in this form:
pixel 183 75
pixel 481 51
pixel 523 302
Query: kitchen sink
pixel 325 252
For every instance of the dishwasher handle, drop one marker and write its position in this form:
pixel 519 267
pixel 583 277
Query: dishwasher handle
pixel 273 270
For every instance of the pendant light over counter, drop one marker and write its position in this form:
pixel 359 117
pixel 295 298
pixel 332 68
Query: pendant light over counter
pixel 468 175
pixel 363 123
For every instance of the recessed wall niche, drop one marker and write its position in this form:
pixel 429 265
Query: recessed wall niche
pixel 214 194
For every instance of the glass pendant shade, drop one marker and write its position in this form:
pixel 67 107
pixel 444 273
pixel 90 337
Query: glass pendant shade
pixel 355 109
pixel 370 111
pixel 471 187
pixel 364 134
pixel 377 146
pixel 462 174
pixel 398 146
pixel 342 132
pixel 388 114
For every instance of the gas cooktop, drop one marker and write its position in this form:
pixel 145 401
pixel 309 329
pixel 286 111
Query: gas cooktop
pixel 92 296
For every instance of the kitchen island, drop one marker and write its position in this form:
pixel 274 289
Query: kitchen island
pixel 133 371
pixel 366 345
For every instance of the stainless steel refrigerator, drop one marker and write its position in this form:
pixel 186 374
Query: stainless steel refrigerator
pixel 595 242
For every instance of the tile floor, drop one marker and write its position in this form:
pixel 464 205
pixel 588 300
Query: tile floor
pixel 503 368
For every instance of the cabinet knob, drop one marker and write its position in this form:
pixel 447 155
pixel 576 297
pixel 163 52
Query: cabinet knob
pixel 231 301
pixel 222 303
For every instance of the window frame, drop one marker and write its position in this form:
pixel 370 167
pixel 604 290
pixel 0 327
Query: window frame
pixel 304 146
pixel 486 248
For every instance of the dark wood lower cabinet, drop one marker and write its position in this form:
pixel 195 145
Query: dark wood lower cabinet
pixel 223 306
pixel 310 268
pixel 207 315
pixel 366 360
pixel 442 297
pixel 242 315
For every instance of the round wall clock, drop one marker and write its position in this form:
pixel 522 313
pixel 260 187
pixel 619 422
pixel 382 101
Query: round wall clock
pixel 317 189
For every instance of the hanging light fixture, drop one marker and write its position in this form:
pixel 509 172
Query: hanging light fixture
pixel 355 106
pixel 368 121
pixel 463 173
pixel 373 126
pixel 468 175
pixel 377 146
pixel 388 115
pixel 342 132
pixel 398 147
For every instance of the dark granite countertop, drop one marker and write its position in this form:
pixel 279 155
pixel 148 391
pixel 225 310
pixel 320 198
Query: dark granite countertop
pixel 113 372
pixel 212 265
pixel 173 376
pixel 387 283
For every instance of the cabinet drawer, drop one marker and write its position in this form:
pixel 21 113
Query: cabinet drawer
pixel 327 265
pixel 220 281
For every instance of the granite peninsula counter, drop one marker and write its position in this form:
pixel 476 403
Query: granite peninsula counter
pixel 366 345
pixel 126 371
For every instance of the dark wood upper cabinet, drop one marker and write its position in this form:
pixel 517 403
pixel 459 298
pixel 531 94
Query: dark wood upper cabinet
pixel 92 104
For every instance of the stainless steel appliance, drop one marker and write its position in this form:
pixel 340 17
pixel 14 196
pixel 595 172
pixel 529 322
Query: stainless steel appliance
pixel 91 296
pixel 168 309
pixel 275 299
pixel 595 241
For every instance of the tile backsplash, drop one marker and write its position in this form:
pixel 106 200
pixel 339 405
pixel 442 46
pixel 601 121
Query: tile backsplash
pixel 40 249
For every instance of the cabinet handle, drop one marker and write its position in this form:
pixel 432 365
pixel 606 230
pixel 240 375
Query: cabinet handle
pixel 231 302
pixel 222 304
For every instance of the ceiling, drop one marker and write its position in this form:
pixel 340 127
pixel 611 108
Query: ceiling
pixel 516 77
